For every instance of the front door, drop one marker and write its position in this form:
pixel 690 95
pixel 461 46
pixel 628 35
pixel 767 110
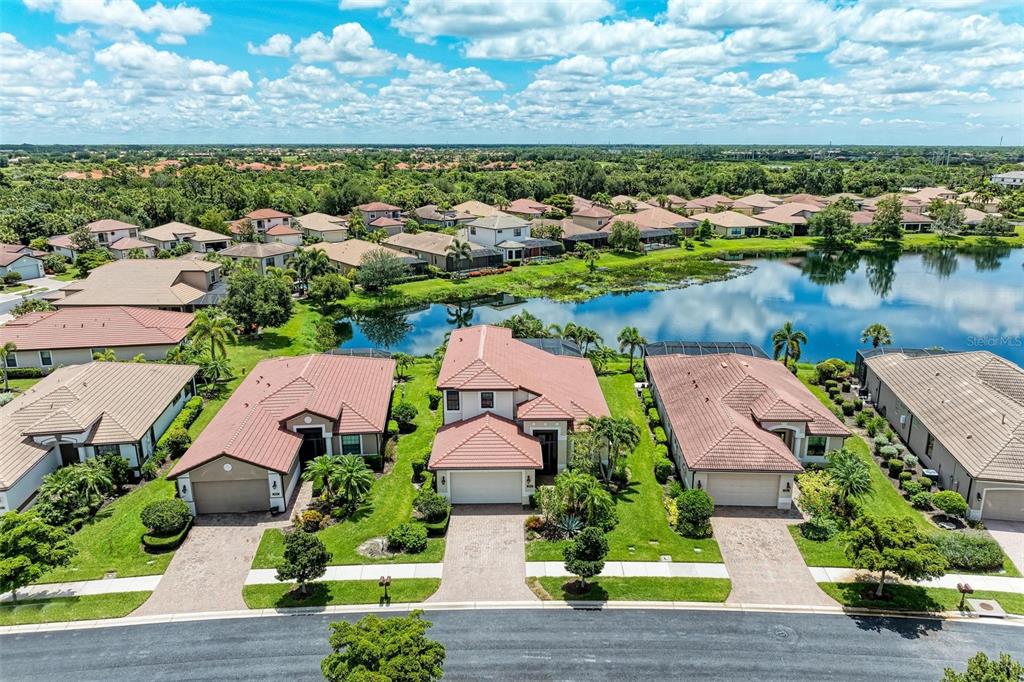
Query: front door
pixel 548 450
pixel 313 444
pixel 68 454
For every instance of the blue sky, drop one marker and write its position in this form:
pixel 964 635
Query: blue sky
pixel 512 71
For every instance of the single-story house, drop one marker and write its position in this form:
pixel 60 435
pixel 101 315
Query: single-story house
pixel 62 244
pixel 48 339
pixel 572 233
pixel 169 235
pixel 962 414
pixel 706 204
pixel 82 411
pixel 508 411
pixel 740 426
pixel 124 247
pixel 348 255
pixel 926 195
pixel 432 247
pixel 22 260
pixel 528 209
pixel 916 222
pixel 791 215
pixel 263 255
pixel 753 204
pixel 987 204
pixel 656 224
pixel 812 199
pixel 286 412
pixel 733 224
pixel 432 215
pixel 168 284
pixel 323 227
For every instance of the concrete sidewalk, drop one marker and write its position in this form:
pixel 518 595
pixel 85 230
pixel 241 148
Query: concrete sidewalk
pixel 146 583
pixel 267 576
pixel 994 583
pixel 638 569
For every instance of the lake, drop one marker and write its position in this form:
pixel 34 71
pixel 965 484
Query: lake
pixel 939 298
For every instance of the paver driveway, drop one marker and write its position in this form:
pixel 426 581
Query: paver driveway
pixel 1010 536
pixel 485 555
pixel 763 562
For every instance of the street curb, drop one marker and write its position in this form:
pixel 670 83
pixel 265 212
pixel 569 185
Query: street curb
pixel 1012 620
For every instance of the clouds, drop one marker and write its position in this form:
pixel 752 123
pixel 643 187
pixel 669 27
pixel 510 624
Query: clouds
pixel 172 23
pixel 277 45
pixel 350 48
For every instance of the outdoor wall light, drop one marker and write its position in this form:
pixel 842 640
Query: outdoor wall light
pixel 699 485
pixel 273 486
pixel 787 488
pixel 529 481
pixel 443 481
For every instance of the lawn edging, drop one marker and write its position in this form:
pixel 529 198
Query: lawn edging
pixel 76 608
pixel 339 593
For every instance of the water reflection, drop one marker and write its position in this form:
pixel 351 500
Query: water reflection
pixel 938 298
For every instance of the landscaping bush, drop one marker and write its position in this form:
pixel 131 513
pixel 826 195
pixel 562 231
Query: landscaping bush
pixel 431 505
pixel 663 469
pixel 863 418
pixel 912 488
pixel 659 436
pixel 407 537
pixel 695 510
pixel 876 424
pixel 880 441
pixel 905 477
pixel 969 551
pixel 165 517
pixel 921 500
pixel 833 392
pixel 392 428
pixel 150 469
pixel 419 465
pixel 910 460
pixel 24 373
pixel 830 384
pixel 653 417
pixel 175 441
pixel 846 385
pixel 647 397
pixel 888 452
pixel 434 399
pixel 660 450
pixel 164 543
pixel 895 466
pixel 820 528
pixel 672 512
pixel 405 414
pixel 858 404
pixel 535 523
pixel 638 373
pixel 847 408
pixel 310 521
pixel 120 469
pixel 951 503
pixel 830 370
pixel 926 483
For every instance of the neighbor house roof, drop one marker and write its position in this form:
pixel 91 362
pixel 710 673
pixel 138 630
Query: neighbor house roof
pixel 282 231
pixel 926 195
pixel 710 201
pixel 638 205
pixel 813 199
pixel 477 208
pixel 758 201
pixel 110 225
pixel 129 243
pixel 654 218
pixel 113 402
pixel 62 241
pixel 431 212
pixel 351 252
pixel 715 405
pixel 499 221
pixel 169 232
pixel 321 222
pixel 728 219
pixel 98 327
pixel 972 403
pixel 8 256
pixel 257 250
pixel 529 207
pixel 433 242
pixel 353 392
pixel 385 221
pixel 266 213
pixel 592 211
pixel 485 441
pixel 150 282
pixel 377 206
pixel 788 213
pixel 488 358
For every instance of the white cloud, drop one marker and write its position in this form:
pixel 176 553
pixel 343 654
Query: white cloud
pixel 350 48
pixel 578 66
pixel 936 30
pixel 180 20
pixel 147 70
pixel 277 45
pixel 857 53
pixel 361 4
pixel 428 19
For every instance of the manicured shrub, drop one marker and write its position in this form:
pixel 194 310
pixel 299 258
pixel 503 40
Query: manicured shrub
pixel 951 503
pixel 405 414
pixel 663 469
pixel 647 397
pixel 830 384
pixel 833 392
pixel 659 436
pixel 431 505
pixel 820 528
pixel 390 449
pixel 921 500
pixel 120 469
pixel 150 469
pixel 877 425
pixel 905 476
pixel 638 373
pixel 660 451
pixel 889 452
pixel 434 399
pixel 846 385
pixel 310 520
pixel 534 522
pixel 926 483
pixel 695 510
pixel 419 465
pixel 911 488
pixel 176 441
pixel 895 466
pixel 407 537
pixel 909 460
pixel 24 373
pixel 165 517
pixel 858 404
pixel 653 417
pixel 830 370
pixel 880 441
pixel 847 408
pixel 392 428
pixel 969 551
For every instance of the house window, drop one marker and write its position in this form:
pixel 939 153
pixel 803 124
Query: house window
pixel 12 359
pixel 451 400
pixel 472 230
pixel 45 358
pixel 816 446
pixel 518 232
pixel 929 445
pixel 107 450
pixel 486 400
pixel 351 445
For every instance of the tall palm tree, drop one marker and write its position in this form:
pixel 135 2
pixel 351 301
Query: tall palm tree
pixel 322 472
pixel 878 334
pixel 786 343
pixel 620 433
pixel 403 361
pixel 588 336
pixel 354 480
pixel 460 315
pixel 460 250
pixel 630 338
pixel 5 351
pixel 589 255
pixel 216 329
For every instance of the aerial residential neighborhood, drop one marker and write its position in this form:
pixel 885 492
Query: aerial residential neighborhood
pixel 406 340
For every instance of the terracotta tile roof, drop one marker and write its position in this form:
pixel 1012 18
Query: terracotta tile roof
pixel 915 218
pixel 486 441
pixel 710 201
pixel 266 213
pixel 351 252
pixel 528 206
pixel 384 221
pixel 435 243
pixel 257 249
pixel 129 243
pixel 592 211
pixel 806 199
pixel 282 230
pixel 716 403
pixel 431 212
pixel 151 282
pixel 377 206
pixel 728 219
pixel 788 213
pixel 110 225
pixel 62 241
pixel 488 358
pixel 973 403
pixel 116 402
pixel 655 218
pixel 97 327
pixel 354 393
pixel 758 201
pixel 169 232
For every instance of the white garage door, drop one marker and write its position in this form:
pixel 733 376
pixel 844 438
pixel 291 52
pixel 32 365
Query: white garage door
pixel 1006 505
pixel 28 270
pixel 487 487
pixel 744 490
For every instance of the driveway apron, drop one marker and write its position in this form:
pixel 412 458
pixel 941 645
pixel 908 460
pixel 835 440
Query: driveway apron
pixel 485 555
pixel 1010 536
pixel 763 562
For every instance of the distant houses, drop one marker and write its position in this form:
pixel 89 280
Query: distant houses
pixel 26 262
pixel 168 236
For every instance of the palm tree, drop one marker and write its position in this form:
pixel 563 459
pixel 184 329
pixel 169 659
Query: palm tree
pixel 601 355
pixel 216 329
pixel 287 274
pixel 322 472
pixel 621 434
pixel 5 351
pixel 877 333
pixel 589 255
pixel 403 361
pixel 786 342
pixel 850 474
pixel 460 250
pixel 107 355
pixel 93 480
pixel 354 480
pixel 630 338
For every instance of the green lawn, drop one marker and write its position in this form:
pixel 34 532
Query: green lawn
pixel 913 598
pixel 111 541
pixel 634 589
pixel 60 609
pixel 643 533
pixel 390 499
pixel 406 590
pixel 21 384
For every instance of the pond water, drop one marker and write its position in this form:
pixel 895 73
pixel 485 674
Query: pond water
pixel 940 298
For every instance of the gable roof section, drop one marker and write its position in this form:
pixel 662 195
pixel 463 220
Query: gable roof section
pixel 96 327
pixel 173 231
pixel 150 282
pixel 351 252
pixel 488 358
pixel 321 222
pixel 654 218
pixel 129 243
pixel 266 213
pixel 499 221
pixel 486 441
pixel 352 392
pixel 729 219
pixel 257 249
pixel 716 404
pixel 110 225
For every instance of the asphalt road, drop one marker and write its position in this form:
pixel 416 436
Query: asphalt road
pixel 529 645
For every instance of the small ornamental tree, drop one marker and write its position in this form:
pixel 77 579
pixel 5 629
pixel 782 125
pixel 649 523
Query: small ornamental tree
pixel 704 231
pixel 889 544
pixel 305 559
pixel 887 222
pixel 980 668
pixel 404 413
pixel 380 269
pixel 584 556
pixel 625 236
pixel 950 503
pixel 695 510
pixel 165 517
pixel 378 649
pixel 29 547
